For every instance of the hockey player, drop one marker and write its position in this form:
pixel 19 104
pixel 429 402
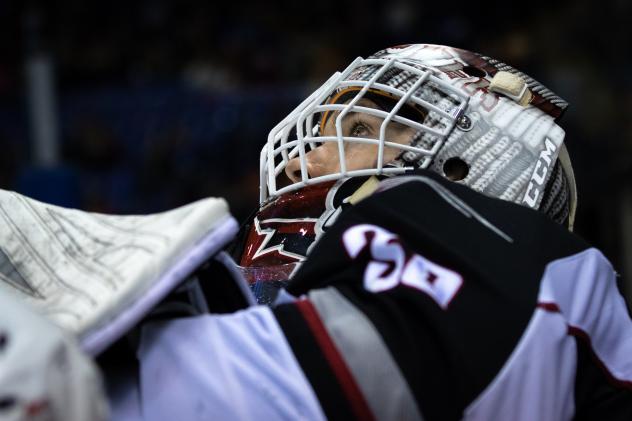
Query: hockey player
pixel 414 292
pixel 469 118
pixel 416 208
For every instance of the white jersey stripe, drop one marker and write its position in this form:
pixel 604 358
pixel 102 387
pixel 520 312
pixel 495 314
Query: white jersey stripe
pixel 585 290
pixel 377 374
pixel 236 366
pixel 578 297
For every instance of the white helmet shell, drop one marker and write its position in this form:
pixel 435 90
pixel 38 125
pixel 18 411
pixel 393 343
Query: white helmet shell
pixel 505 132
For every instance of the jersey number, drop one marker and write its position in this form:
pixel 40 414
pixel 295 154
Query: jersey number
pixel 390 265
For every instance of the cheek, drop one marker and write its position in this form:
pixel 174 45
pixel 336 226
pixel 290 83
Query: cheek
pixel 403 136
pixel 390 154
pixel 324 158
pixel 361 156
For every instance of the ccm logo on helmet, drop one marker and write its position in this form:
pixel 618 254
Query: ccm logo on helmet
pixel 538 178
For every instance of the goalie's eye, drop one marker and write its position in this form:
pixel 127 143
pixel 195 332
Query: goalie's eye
pixel 360 129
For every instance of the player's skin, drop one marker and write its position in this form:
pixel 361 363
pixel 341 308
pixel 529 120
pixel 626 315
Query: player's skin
pixel 325 159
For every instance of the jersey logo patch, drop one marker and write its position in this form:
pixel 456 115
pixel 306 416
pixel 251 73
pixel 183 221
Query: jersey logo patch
pixel 392 265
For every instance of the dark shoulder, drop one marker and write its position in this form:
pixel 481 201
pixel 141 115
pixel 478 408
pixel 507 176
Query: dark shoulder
pixel 448 223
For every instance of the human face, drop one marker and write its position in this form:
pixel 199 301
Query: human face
pixel 325 160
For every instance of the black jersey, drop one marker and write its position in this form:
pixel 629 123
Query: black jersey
pixel 431 301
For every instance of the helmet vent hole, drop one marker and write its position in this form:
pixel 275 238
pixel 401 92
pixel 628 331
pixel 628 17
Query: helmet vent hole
pixel 455 169
pixel 474 71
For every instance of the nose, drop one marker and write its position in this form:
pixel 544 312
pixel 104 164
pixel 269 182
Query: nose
pixel 293 169
pixel 318 162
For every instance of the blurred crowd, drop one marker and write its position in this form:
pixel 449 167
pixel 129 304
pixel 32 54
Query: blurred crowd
pixel 163 102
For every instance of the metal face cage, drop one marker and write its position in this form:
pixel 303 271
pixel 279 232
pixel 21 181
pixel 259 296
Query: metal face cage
pixel 406 82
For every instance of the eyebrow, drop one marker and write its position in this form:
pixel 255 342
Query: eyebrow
pixel 375 105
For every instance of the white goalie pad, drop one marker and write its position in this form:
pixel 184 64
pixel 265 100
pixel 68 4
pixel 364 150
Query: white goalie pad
pixel 97 275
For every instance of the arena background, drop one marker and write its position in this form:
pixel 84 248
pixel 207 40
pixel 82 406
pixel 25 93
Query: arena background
pixel 136 107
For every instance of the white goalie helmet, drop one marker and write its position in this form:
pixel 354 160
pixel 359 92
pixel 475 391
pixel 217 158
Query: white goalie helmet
pixel 470 118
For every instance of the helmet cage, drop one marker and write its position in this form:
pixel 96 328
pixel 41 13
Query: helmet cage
pixel 301 131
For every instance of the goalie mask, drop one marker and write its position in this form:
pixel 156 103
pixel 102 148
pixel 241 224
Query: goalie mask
pixel 470 118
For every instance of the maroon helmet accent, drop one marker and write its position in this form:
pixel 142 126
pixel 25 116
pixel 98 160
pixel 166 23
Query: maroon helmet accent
pixel 281 233
pixel 284 228
pixel 543 98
